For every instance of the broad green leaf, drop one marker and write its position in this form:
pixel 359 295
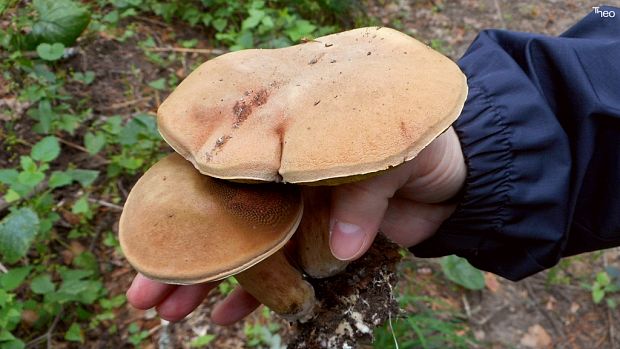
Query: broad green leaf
pixel 8 176
pixel 81 205
pixel 27 164
pixel 46 149
pixel 74 333
pixel 458 270
pixel 59 21
pixel 6 335
pixel 11 280
pixel 159 84
pixel 602 278
pixel 94 142
pixel 253 19
pixel 202 341
pixel 11 195
pixel 51 52
pixel 86 78
pixel 59 179
pixel 302 28
pixel 86 260
pixel 111 17
pixel 597 295
pixel 84 177
pixel 42 284
pixel 31 179
pixel 220 24
pixel 13 344
pixel 17 231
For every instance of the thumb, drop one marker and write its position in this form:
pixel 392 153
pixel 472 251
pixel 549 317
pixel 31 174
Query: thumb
pixel 357 210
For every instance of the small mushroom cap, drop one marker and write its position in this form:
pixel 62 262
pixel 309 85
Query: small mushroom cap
pixel 181 227
pixel 342 105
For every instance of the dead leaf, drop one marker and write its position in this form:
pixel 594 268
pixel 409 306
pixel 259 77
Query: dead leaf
pixel 574 307
pixel 537 338
pixel 70 217
pixel 491 282
pixel 551 303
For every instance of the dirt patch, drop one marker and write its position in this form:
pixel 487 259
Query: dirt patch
pixel 354 303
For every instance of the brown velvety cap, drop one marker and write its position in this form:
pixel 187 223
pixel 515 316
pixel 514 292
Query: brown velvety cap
pixel 181 227
pixel 342 105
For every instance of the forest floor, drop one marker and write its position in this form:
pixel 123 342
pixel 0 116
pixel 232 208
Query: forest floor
pixel 553 309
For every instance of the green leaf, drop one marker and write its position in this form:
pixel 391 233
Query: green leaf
pixel 597 295
pixel 17 231
pixel 11 195
pixel 159 84
pixel 60 21
pixel 42 284
pixel 94 142
pixel 81 206
pixel 13 344
pixel 84 177
pixel 27 164
pixel 8 176
pixel 31 179
pixel 220 24
pixel 253 19
pixel 6 335
pixel 112 17
pixel 14 278
pixel 459 271
pixel 46 149
pixel 302 28
pixel 602 278
pixel 202 341
pixel 87 260
pixel 59 179
pixel 51 52
pixel 74 333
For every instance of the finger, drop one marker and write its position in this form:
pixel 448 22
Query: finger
pixel 183 301
pixel 357 210
pixel 145 293
pixel 408 223
pixel 237 305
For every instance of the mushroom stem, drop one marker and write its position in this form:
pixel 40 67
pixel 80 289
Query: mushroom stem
pixel 312 235
pixel 277 284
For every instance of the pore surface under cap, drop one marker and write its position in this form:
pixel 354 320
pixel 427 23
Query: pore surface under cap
pixel 345 104
pixel 179 226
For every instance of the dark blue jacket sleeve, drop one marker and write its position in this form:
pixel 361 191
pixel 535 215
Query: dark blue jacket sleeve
pixel 540 132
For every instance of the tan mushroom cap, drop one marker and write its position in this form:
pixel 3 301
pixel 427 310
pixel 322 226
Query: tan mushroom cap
pixel 181 227
pixel 342 105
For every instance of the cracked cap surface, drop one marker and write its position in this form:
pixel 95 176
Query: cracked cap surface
pixel 342 105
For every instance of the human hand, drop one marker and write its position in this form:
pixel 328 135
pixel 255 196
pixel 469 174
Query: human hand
pixel 407 203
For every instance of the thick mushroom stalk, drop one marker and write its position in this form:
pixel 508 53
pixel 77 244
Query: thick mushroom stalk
pixel 277 284
pixel 181 227
pixel 312 235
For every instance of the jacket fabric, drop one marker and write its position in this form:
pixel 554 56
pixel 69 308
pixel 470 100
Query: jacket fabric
pixel 540 132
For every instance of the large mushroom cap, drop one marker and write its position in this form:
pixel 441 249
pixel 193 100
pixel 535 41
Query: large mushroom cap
pixel 179 226
pixel 342 105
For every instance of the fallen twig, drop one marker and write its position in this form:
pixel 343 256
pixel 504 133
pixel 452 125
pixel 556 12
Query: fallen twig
pixel 207 51
pixel 500 15
pixel 81 148
pixel 557 328
pixel 47 336
pixel 104 203
pixel 125 104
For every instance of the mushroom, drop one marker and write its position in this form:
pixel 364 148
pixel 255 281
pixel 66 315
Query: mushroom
pixel 333 110
pixel 181 227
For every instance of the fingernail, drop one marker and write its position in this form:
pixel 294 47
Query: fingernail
pixel 346 240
